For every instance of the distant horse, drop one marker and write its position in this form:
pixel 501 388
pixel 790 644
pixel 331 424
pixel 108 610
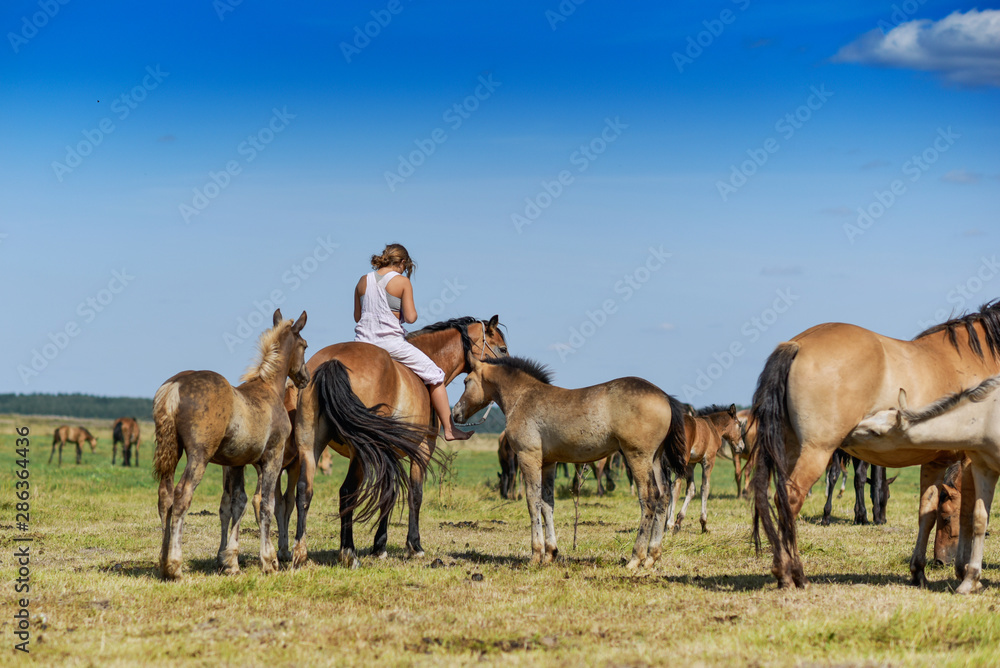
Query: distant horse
pixel 508 469
pixel 742 460
pixel 966 421
pixel 548 424
pixel 879 488
pixel 815 388
pixel 378 399
pixel 602 472
pixel 126 432
pixel 75 435
pixel 705 433
pixel 200 414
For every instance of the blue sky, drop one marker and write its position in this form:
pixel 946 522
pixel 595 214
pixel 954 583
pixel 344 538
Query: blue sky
pixel 636 190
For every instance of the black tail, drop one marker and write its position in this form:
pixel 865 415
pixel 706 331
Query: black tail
pixel 116 436
pixel 674 455
pixel 770 410
pixel 379 442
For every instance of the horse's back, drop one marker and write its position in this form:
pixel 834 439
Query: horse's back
pixel 199 403
pixel 375 377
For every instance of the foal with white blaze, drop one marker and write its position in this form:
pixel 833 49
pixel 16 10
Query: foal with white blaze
pixel 548 424
pixel 967 421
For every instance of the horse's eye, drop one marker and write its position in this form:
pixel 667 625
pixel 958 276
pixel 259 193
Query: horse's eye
pixel 503 350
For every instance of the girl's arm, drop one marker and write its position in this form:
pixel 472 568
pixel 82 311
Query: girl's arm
pixel 408 312
pixel 358 291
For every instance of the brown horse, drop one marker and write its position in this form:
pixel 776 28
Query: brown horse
pixel 742 460
pixel 508 469
pixel 705 434
pixel 967 421
pixel 815 388
pixel 382 400
pixel 200 414
pixel 126 432
pixel 547 424
pixel 75 435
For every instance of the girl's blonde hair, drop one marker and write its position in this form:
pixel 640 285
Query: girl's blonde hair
pixel 395 254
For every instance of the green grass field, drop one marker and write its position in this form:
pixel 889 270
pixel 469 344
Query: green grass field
pixel 96 600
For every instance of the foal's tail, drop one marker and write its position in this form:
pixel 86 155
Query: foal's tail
pixel 675 442
pixel 770 411
pixel 116 435
pixel 379 442
pixel 168 447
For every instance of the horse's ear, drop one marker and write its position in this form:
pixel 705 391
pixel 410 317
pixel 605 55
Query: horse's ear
pixel 732 409
pixel 902 399
pixel 493 322
pixel 299 324
pixel 277 316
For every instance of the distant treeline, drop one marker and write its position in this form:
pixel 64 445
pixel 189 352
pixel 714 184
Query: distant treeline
pixel 77 405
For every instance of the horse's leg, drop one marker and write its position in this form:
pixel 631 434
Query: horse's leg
pixel 170 562
pixel 832 474
pixel 674 489
pixel 599 473
pixel 860 480
pixel 985 482
pixel 548 506
pixel 648 492
pixel 926 517
pixel 79 453
pixel 706 485
pixel 878 494
pixel 307 440
pixel 283 514
pixel 415 500
pixel 237 496
pixel 268 481
pixel 348 553
pixel 688 495
pixel 257 493
pixel 577 478
pixel 966 524
pixel 531 470
pixel 114 451
pixel 738 473
pixel 659 517
pixel 225 515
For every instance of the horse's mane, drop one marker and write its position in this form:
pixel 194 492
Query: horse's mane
pixel 945 404
pixel 951 475
pixel 988 316
pixel 536 370
pixel 708 410
pixel 268 354
pixel 461 324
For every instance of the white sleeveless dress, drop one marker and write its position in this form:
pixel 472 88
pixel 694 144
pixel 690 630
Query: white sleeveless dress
pixel 379 326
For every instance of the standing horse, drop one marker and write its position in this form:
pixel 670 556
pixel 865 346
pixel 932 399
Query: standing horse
pixel 75 435
pixel 385 399
pixel 126 432
pixel 967 421
pixel 742 460
pixel 815 388
pixel 705 433
pixel 200 414
pixel 879 488
pixel 548 424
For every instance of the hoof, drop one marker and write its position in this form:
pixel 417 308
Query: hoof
pixel 650 561
pixel 383 555
pixel 299 556
pixel 919 580
pixel 171 570
pixel 938 562
pixel 413 554
pixel 632 564
pixel 969 587
pixel 285 555
pixel 348 559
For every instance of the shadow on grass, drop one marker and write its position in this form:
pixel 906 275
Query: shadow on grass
pixel 763 582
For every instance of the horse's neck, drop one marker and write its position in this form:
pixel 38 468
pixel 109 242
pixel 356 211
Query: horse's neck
pixel 445 350
pixel 940 351
pixel 509 388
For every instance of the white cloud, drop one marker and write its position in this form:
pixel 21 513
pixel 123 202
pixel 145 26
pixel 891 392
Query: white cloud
pixel 965 48
pixel 960 176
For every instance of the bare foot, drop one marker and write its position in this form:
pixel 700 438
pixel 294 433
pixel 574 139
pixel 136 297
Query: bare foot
pixel 455 434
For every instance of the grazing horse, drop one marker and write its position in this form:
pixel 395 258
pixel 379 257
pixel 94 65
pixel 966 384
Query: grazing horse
pixel 126 432
pixel 548 424
pixel 967 421
pixel 879 488
pixel 508 469
pixel 200 414
pixel 815 388
pixel 385 399
pixel 949 508
pixel 705 433
pixel 75 435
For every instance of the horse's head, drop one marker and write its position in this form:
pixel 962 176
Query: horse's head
pixel 733 431
pixel 493 343
pixel 881 424
pixel 297 370
pixel 93 442
pixel 477 395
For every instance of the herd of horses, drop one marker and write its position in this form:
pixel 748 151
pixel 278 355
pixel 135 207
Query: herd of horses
pixel 832 394
pixel 125 430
